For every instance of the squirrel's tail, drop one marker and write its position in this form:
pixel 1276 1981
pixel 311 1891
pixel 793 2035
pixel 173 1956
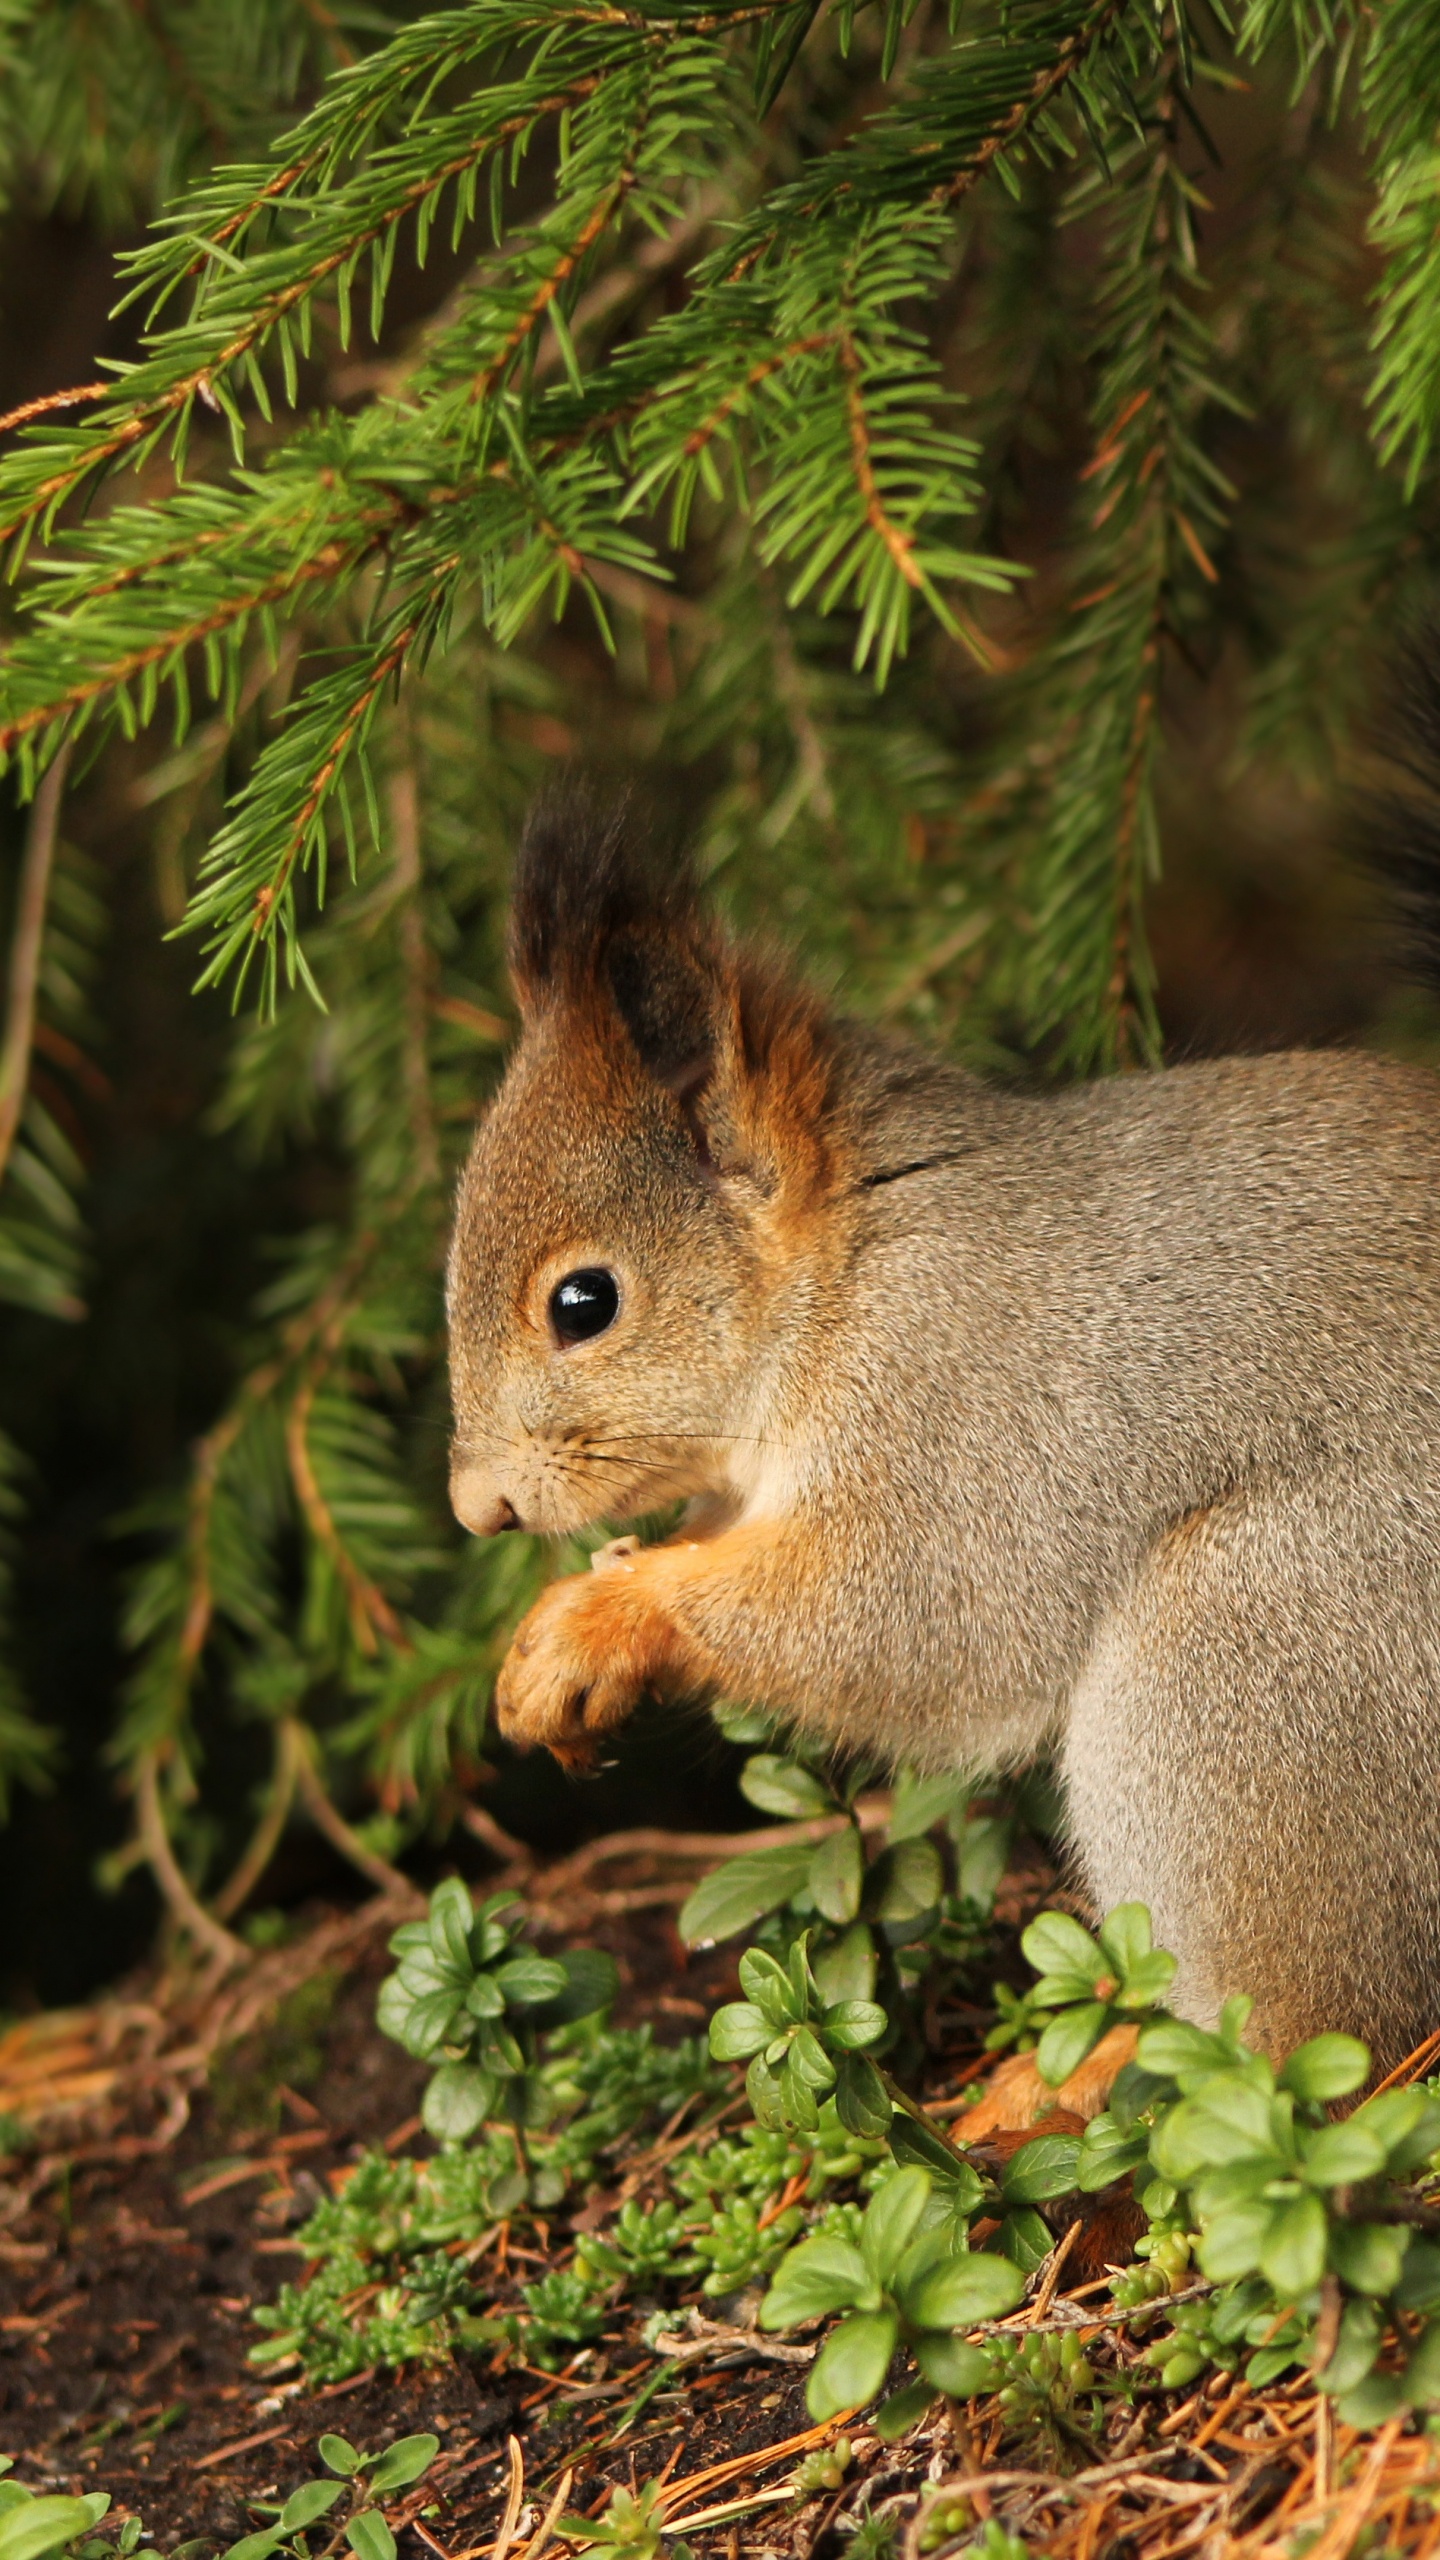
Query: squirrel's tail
pixel 1400 825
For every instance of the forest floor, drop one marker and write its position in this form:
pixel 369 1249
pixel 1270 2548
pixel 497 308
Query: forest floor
pixel 136 2243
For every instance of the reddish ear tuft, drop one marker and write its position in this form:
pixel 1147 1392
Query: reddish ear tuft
pixel 611 928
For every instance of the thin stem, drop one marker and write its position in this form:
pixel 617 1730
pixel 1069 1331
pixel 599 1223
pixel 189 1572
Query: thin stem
pixel 25 950
pixel 190 1913
pixel 371 1615
pixel 911 2107
pixel 53 400
pixel 265 1838
pixel 407 876
pixel 328 1818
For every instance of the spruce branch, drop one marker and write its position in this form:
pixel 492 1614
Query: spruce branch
pixel 1400 88
pixel 372 1620
pixel 1140 581
pixel 49 402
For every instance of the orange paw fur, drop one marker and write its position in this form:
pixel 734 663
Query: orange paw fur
pixel 581 1660
pixel 1017 2096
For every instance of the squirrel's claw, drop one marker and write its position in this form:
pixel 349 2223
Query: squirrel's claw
pixel 577 1667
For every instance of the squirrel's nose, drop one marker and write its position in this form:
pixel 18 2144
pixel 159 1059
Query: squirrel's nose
pixel 480 1509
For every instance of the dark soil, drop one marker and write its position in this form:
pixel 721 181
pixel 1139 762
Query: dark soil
pixel 126 2299
pixel 126 2295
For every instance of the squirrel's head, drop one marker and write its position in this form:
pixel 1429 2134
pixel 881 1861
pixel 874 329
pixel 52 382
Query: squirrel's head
pixel 643 1186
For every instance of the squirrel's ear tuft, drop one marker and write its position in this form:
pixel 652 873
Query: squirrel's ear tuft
pixel 601 912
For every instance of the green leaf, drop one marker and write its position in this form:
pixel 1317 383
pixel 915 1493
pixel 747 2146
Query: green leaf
pixel 919 1803
pixel 529 1981
pixel 763 2089
pixel 1339 2154
pixel 1422 2370
pixel 1326 2068
pixel 852 2024
pixel 891 2220
pixel 1173 2049
pixel 1293 2254
pixel 251 2546
pixel 737 2031
pixel 982 1853
pixel 457 2101
pixel 1024 2237
pixel 425 2025
pixel 1357 2345
pixel 409 2458
pixel 903 2410
pixel 919 2146
pixel 817 2277
pixel 904 1886
pixel 1400 2119
pixel 742 1892
pixel 592 1979
pixel 1230 2245
pixel 799 2105
pixel 1054 1943
pixel 862 2101
pixel 1148 1982
pixel 1068 2039
pixel 846 1970
pixel 961 2372
pixel 338 2455
pixel 973 2286
pixel 392 2008
pixel 1418 2288
pixel 46 2524
pixel 1269 2362
pixel 809 2061
pixel 1373 2402
pixel 837 1875
pixel 785 1787
pixel 782 1998
pixel 370 2537
pixel 1107 2153
pixel 1125 1938
pixel 1046 2167
pixel 452 1915
pixel 851 2367
pixel 1230 2120
pixel 313 2498
pixel 742 1725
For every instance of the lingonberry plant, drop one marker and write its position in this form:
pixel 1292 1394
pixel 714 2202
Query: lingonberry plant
pixel 1312 2241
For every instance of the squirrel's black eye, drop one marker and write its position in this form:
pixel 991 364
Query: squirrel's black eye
pixel 583 1304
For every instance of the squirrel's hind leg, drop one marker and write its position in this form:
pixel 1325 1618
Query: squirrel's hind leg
pixel 1253 1749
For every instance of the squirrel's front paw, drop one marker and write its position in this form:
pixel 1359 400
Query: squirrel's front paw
pixel 581 1659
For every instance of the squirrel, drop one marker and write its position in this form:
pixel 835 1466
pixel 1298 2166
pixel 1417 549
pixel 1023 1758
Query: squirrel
pixel 1104 1420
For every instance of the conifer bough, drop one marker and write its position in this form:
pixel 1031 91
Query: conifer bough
pixel 752 321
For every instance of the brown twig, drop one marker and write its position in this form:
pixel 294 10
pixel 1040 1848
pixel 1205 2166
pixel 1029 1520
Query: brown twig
pixel 326 563
pixel 901 551
pixel 265 1839
pixel 370 1613
pixel 328 1818
pixel 151 416
pixel 187 1909
pixel 388 664
pixel 607 204
pixel 26 949
pixel 415 957
pixel 51 401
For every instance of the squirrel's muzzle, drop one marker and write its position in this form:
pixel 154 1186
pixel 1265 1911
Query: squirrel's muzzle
pixel 478 1507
